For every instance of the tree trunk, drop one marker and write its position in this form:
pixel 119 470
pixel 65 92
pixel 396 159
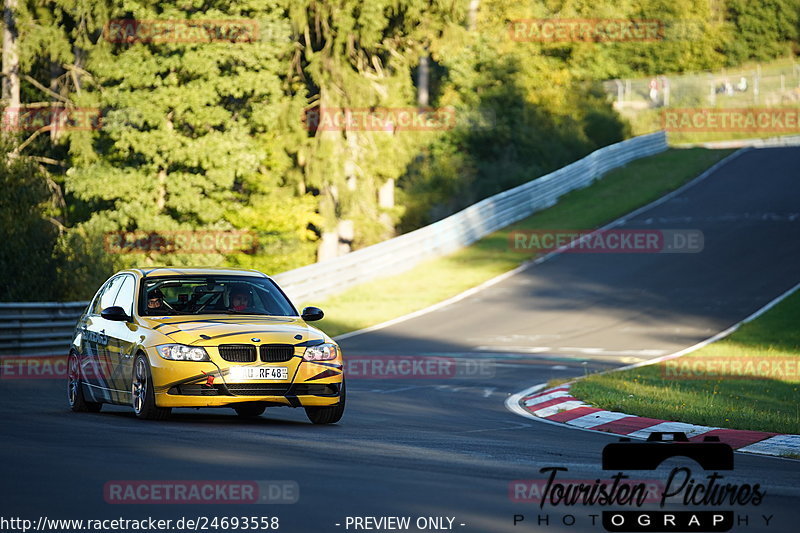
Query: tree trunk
pixel 10 55
pixel 385 203
pixel 161 191
pixel 55 73
pixel 423 81
pixel 472 20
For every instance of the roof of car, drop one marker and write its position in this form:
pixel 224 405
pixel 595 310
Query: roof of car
pixel 170 271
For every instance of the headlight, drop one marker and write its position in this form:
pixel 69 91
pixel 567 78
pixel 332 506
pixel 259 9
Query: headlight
pixel 320 352
pixel 179 352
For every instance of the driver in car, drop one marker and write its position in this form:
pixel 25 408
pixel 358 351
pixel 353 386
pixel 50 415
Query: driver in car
pixel 241 299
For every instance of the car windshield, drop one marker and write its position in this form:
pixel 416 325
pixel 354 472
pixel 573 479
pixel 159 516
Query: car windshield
pixel 193 295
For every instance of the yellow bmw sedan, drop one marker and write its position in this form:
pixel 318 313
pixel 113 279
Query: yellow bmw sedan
pixel 168 337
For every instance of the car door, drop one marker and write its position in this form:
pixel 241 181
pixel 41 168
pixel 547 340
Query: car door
pixel 123 338
pixel 87 346
pixel 98 369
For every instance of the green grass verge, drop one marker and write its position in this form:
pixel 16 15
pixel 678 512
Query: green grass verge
pixel 743 400
pixel 618 193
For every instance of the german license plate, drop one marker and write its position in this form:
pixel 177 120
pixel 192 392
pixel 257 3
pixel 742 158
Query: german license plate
pixel 272 373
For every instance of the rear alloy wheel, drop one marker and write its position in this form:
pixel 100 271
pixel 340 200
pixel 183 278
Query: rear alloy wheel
pixel 77 401
pixel 142 396
pixel 329 414
pixel 250 410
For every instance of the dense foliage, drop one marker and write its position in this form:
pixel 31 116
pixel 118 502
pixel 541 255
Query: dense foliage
pixel 213 132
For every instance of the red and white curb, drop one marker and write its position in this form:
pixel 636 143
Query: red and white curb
pixel 557 405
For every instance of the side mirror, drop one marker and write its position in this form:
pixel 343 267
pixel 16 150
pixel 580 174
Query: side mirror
pixel 310 314
pixel 115 313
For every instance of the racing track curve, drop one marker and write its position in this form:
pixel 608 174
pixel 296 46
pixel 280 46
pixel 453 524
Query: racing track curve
pixel 448 447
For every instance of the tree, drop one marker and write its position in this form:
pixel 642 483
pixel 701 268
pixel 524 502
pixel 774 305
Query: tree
pixel 193 128
pixel 359 56
pixel 763 30
pixel 26 230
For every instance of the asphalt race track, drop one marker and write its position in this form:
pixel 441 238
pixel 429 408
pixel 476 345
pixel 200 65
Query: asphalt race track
pixel 447 446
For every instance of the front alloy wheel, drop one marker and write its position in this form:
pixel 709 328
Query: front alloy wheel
pixel 142 396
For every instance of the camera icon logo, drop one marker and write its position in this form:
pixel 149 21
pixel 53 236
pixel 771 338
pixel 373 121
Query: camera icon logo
pixel 710 453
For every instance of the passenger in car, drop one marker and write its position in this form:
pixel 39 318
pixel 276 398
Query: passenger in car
pixel 155 300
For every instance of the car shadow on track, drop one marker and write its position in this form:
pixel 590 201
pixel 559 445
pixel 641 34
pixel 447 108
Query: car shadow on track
pixel 221 418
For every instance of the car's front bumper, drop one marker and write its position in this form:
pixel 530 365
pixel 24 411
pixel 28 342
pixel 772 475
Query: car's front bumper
pixel 170 400
pixel 209 384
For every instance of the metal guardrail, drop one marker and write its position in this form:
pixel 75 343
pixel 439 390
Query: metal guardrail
pixel 38 328
pixel 47 327
pixel 463 228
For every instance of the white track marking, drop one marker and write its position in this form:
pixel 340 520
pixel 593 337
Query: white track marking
pixel 596 419
pixel 691 430
pixel 604 351
pixel 546 398
pixel 560 408
pixel 777 445
pixel 516 349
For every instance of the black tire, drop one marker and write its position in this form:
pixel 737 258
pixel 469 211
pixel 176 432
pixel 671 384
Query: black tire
pixel 77 400
pixel 143 399
pixel 328 414
pixel 250 410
